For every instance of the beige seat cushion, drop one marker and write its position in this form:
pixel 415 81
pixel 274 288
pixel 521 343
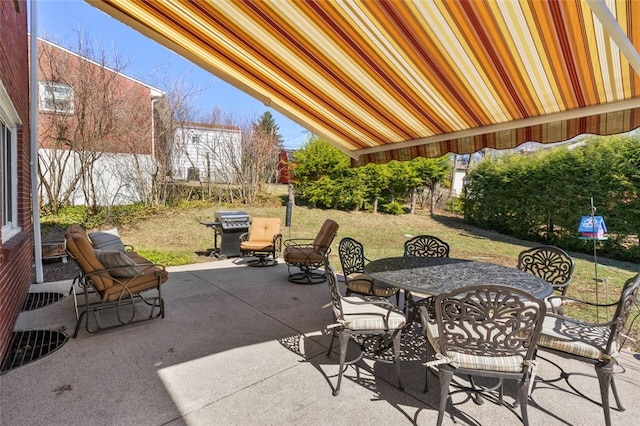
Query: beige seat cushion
pixel 505 363
pixel 261 234
pixel 363 317
pixel 362 283
pixel 567 335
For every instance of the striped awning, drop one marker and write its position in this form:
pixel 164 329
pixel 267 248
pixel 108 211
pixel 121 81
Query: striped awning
pixel 386 80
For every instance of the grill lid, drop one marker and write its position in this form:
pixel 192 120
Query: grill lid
pixel 232 219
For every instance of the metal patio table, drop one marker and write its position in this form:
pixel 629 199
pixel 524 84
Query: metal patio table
pixel 435 275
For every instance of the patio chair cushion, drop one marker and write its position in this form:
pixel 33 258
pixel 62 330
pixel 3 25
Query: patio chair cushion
pixel 359 282
pixel 81 249
pixel 120 264
pixel 507 363
pixel 295 254
pixel 106 240
pixel 571 336
pixel 360 317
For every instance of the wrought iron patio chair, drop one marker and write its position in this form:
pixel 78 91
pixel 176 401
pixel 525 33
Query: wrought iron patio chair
pixel 422 246
pixel 593 343
pixel 309 255
pixel 263 240
pixel 553 265
pixel 356 280
pixel 426 246
pixel 373 320
pixel 487 331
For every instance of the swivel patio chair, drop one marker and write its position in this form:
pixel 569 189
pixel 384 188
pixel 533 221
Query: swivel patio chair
pixel 487 331
pixel 593 343
pixel 309 255
pixel 553 265
pixel 366 318
pixel 422 246
pixel 263 240
pixel 356 281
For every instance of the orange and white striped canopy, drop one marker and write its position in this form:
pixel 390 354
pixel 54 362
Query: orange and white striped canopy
pixel 393 79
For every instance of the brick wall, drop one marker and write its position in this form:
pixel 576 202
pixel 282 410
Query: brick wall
pixel 16 254
pixel 125 115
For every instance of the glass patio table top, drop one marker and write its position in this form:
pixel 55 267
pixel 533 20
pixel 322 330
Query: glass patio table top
pixel 435 275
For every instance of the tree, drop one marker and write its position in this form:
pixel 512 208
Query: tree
pixel 87 109
pixel 318 166
pixel 430 173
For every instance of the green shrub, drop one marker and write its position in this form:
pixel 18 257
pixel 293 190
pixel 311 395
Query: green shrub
pixel 394 208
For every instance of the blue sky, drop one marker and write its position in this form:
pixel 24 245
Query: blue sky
pixel 60 21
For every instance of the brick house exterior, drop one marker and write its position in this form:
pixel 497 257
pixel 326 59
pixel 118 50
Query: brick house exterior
pixel 16 253
pixel 121 120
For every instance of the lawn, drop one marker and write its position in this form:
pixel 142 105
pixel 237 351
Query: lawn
pixel 181 238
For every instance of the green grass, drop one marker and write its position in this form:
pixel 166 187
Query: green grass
pixel 179 238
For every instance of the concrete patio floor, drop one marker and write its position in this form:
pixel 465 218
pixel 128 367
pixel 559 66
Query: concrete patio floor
pixel 243 346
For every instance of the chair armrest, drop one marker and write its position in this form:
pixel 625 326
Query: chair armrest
pixel 583 302
pixel 128 247
pixel 587 323
pixel 372 300
pixel 244 236
pixel 277 242
pixel 298 242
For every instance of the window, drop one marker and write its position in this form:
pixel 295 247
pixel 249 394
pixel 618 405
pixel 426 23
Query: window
pixel 8 166
pixel 56 97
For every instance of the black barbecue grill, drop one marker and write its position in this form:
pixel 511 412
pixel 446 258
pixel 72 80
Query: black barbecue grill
pixel 227 228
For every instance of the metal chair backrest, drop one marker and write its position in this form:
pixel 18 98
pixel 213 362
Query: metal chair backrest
pixel 332 281
pixel 628 298
pixel 351 253
pixel 426 246
pixel 489 320
pixel 550 263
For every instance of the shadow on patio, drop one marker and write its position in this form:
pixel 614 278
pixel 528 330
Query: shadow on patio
pixel 242 345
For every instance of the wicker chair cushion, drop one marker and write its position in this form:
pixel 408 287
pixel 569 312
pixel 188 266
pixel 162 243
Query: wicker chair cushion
pixel 361 317
pixel 570 336
pixel 507 363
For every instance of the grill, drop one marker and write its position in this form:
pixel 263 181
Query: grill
pixel 227 228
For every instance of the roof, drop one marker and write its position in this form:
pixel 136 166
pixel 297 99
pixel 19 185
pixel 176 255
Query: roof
pixel 386 80
pixel 155 92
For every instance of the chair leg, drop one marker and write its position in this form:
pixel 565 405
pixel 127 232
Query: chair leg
pixel 396 356
pixel 333 336
pixel 523 397
pixel 344 342
pixel 615 394
pixel 605 376
pixel 445 380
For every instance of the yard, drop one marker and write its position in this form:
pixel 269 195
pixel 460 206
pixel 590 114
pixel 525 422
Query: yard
pixel 180 237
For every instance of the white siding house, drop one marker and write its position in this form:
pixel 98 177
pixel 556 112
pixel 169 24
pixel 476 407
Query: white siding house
pixel 207 153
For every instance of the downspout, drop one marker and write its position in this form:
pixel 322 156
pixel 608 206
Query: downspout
pixel 33 128
pixel 153 130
